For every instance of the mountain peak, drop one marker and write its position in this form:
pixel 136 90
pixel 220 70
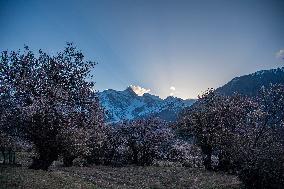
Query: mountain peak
pixel 139 90
pixel 130 90
pixel 128 104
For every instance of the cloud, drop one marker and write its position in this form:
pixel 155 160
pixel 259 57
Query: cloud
pixel 172 89
pixel 280 54
pixel 139 90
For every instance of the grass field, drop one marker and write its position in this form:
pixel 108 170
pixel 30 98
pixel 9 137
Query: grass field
pixel 115 177
pixel 21 177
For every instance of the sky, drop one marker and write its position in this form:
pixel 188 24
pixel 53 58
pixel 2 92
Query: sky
pixel 165 47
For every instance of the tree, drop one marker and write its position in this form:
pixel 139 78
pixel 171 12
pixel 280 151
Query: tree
pixel 52 100
pixel 7 147
pixel 246 133
pixel 103 144
pixel 186 153
pixel 259 149
pixel 212 122
pixel 260 158
pixel 139 141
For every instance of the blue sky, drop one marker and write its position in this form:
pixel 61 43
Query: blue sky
pixel 168 46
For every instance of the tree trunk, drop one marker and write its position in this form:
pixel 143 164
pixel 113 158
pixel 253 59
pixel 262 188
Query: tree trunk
pixel 68 161
pixel 10 157
pixel 14 158
pixel 4 156
pixel 43 161
pixel 134 153
pixel 224 162
pixel 207 162
pixel 135 157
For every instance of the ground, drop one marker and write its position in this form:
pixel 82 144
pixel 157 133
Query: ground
pixel 115 177
pixel 21 177
pixel 106 177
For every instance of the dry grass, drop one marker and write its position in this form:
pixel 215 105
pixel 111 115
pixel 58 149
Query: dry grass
pixel 21 177
pixel 154 177
pixel 113 177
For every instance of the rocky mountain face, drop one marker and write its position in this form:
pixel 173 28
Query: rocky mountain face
pixel 120 105
pixel 252 83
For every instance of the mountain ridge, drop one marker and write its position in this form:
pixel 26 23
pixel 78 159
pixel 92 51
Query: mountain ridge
pixel 250 84
pixel 126 104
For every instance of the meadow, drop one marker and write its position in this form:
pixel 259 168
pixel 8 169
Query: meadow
pixel 99 177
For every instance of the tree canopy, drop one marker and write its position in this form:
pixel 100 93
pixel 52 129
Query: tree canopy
pixel 50 101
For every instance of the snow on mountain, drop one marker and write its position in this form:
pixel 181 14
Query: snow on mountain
pixel 120 105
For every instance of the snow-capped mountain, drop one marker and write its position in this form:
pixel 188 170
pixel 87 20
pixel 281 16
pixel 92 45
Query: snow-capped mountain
pixel 127 104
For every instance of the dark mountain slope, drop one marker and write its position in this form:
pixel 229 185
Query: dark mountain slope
pixel 252 83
